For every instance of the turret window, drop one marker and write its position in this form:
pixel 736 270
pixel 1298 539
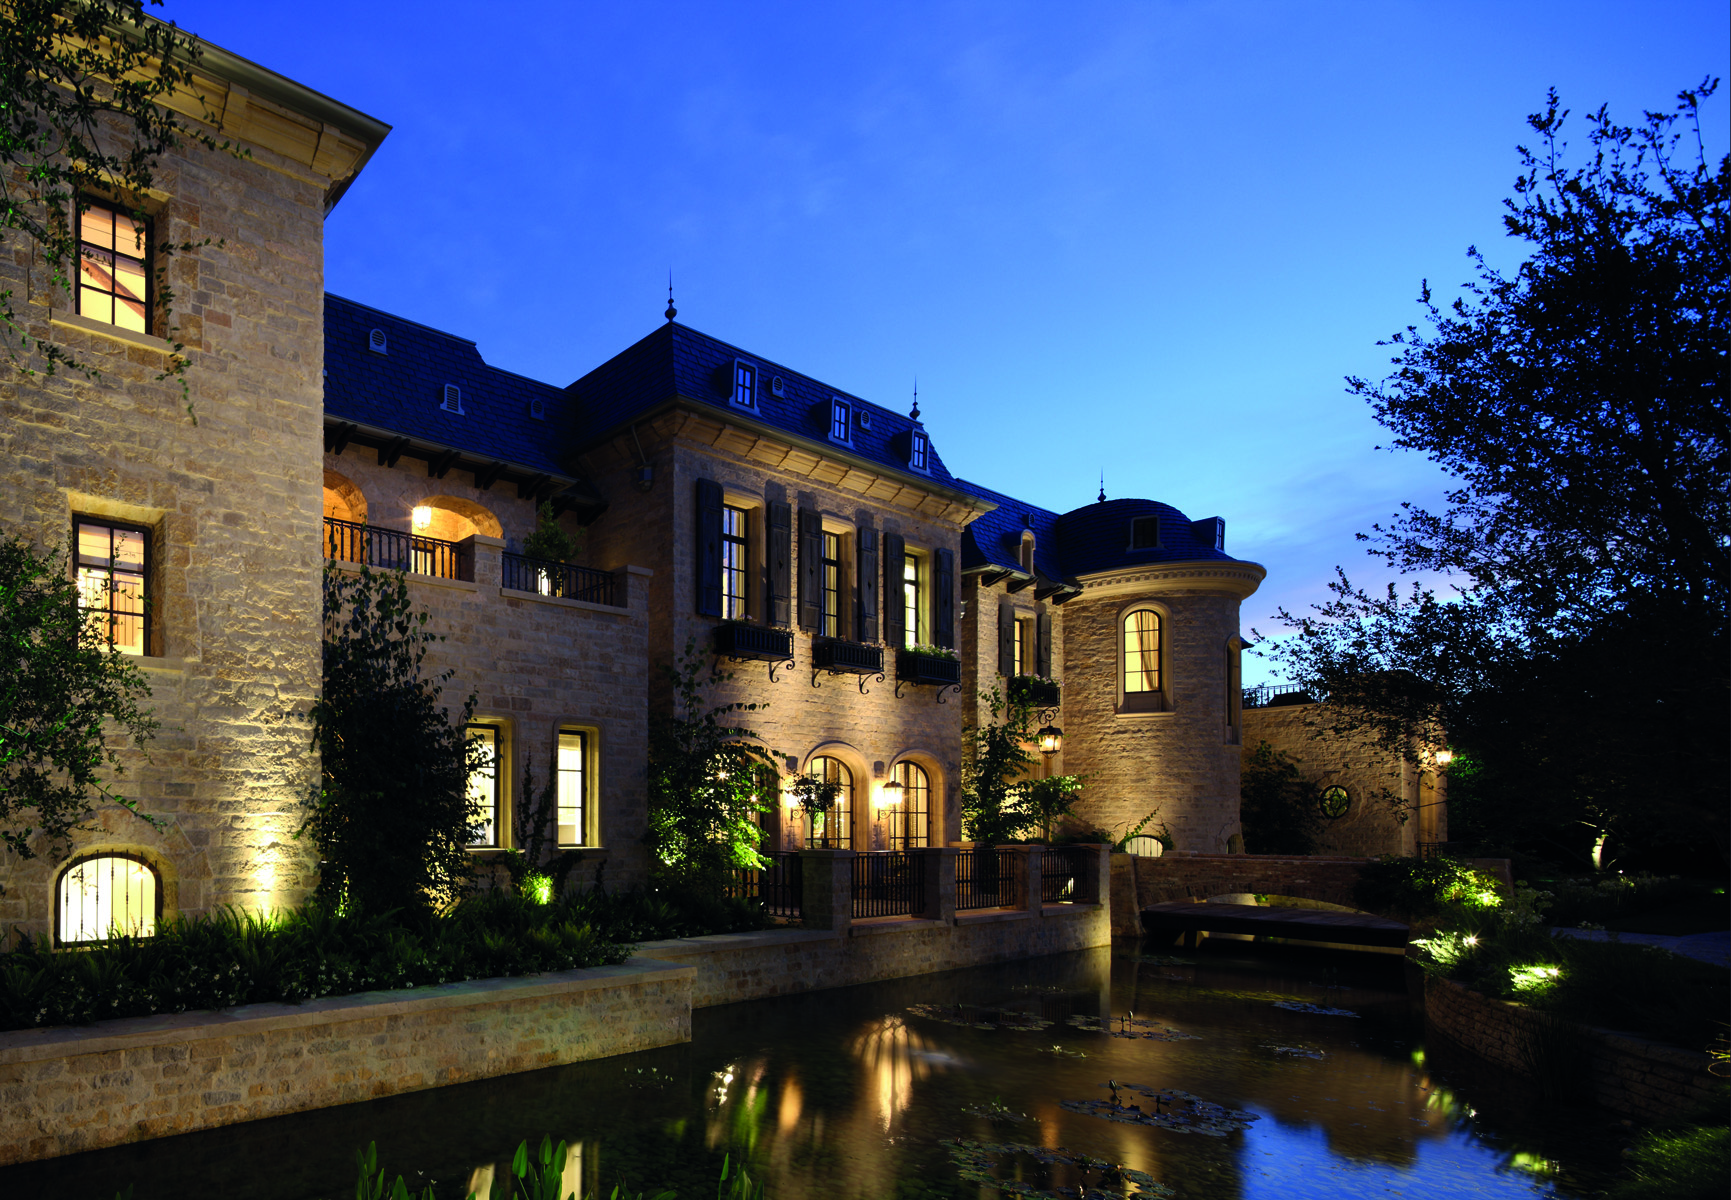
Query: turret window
pixel 1142 666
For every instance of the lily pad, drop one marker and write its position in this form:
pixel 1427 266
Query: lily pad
pixel 971 1016
pixel 1313 1009
pixel 1062 1052
pixel 1171 1109
pixel 976 1162
pixel 1295 1051
pixel 997 1112
pixel 1129 1027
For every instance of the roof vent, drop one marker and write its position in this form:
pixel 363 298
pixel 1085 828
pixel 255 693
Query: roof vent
pixel 376 342
pixel 777 386
pixel 538 408
pixel 453 401
pixel 862 418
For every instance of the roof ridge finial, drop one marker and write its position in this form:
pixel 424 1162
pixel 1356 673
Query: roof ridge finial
pixel 671 311
pixel 1102 487
pixel 915 414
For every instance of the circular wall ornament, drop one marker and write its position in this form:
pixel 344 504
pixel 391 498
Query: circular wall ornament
pixel 1334 802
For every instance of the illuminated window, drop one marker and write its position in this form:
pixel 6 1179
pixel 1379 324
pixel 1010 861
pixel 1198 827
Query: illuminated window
pixel 114 267
pixel 831 585
pixel 1141 653
pixel 832 829
pixel 111 573
pixel 840 416
pixel 919 452
pixel 573 782
pixel 113 895
pixel 484 787
pixel 732 562
pixel 911 605
pixel 744 384
pixel 908 820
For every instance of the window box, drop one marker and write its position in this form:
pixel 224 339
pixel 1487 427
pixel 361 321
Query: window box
pixel 914 667
pixel 840 657
pixel 1034 691
pixel 737 640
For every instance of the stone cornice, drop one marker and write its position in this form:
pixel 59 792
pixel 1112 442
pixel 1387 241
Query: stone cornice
pixel 1235 578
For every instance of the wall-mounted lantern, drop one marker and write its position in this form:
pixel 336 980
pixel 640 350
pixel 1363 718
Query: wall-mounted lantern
pixel 1051 739
pixel 422 517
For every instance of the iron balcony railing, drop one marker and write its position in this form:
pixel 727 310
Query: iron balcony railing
pixel 889 885
pixel 1068 876
pixel 394 550
pixel 523 574
pixel 913 667
pixel 988 877
pixel 779 885
pixel 843 657
pixel 1272 695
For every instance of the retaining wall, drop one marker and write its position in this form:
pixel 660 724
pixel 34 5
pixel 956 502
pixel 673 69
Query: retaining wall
pixel 1630 1075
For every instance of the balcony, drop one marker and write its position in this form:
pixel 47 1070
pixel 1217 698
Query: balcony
pixel 561 580
pixel 840 657
pixel 394 550
pixel 912 666
pixel 761 642
pixel 1033 691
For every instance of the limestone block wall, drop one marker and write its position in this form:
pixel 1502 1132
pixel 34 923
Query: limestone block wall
pixel 1380 787
pixel 1639 1078
pixel 64 1090
pixel 1181 876
pixel 978 633
pixel 1179 760
pixel 229 493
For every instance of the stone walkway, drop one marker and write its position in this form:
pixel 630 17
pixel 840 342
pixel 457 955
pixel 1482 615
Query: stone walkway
pixel 1712 948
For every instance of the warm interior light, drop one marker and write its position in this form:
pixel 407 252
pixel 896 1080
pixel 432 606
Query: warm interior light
pixel 423 516
pixel 1445 756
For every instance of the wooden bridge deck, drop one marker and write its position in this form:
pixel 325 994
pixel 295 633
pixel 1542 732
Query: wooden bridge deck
pixel 1306 924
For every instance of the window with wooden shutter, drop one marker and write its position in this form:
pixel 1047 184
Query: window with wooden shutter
pixel 779 594
pixel 1043 644
pixel 895 612
pixel 810 569
pixel 866 585
pixel 708 564
pixel 1006 638
pixel 944 599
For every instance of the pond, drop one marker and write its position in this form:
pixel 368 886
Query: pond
pixel 1243 1073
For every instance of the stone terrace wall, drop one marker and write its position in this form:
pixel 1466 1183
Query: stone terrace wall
pixel 1180 876
pixel 1369 825
pixel 1629 1075
pixel 63 1090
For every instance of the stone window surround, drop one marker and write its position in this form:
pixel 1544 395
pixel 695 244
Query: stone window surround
pixel 1161 706
pixel 594 732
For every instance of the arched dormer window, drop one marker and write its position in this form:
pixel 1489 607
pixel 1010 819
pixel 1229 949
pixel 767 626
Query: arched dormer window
pixel 106 896
pixel 1142 676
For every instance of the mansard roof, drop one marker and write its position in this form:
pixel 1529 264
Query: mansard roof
pixel 993 541
pixel 676 362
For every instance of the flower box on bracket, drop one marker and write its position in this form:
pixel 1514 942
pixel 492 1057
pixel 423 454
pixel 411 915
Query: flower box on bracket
pixel 1034 691
pixel 914 667
pixel 735 640
pixel 847 658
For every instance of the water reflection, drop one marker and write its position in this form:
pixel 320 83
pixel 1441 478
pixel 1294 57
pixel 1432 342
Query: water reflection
pixel 846 1095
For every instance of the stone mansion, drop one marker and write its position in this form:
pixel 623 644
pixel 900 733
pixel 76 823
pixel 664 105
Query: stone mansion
pixel 808 540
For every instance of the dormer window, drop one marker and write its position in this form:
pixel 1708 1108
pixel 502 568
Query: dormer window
pixel 919 452
pixel 744 384
pixel 840 420
pixel 1145 533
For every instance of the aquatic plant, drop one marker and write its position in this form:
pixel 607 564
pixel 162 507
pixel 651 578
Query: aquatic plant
pixel 1313 1009
pixel 1129 1026
pixel 977 1162
pixel 996 1111
pixel 958 1014
pixel 1178 1111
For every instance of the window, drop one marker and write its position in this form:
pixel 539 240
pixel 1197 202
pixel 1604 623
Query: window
pixel 911 606
pixel 744 384
pixel 1334 802
pixel 484 787
pixel 1145 533
pixel 573 770
pixel 840 420
pixel 1142 659
pixel 832 830
pixel 1024 645
pixel 112 895
pixel 114 267
pixel 831 626
pixel 919 452
pixel 909 820
pixel 733 548
pixel 112 568
pixel 1234 688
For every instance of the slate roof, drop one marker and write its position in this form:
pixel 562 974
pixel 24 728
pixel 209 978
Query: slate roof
pixel 994 539
pixel 676 360
pixel 401 390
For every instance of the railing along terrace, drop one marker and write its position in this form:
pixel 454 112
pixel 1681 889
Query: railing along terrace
pixel 1272 695
pixel 987 877
pixel 1068 876
pixel 394 550
pixel 779 885
pixel 889 885
pixel 564 580
pixel 1437 849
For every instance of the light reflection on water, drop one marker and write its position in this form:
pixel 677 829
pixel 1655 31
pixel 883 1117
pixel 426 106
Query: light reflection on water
pixel 846 1094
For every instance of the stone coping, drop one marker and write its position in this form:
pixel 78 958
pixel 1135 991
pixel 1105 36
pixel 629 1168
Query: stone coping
pixel 60 1041
pixel 612 610
pixel 984 916
pixel 864 926
pixel 710 943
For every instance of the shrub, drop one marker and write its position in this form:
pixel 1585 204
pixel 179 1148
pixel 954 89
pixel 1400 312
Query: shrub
pixel 1424 887
pixel 1690 1165
pixel 1607 898
pixel 1277 808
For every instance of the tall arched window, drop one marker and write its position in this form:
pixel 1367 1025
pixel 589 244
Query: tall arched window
pixel 909 819
pixel 106 896
pixel 834 829
pixel 1142 649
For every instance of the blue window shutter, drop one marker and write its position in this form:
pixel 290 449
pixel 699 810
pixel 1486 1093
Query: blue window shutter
pixel 944 599
pixel 780 591
pixel 708 564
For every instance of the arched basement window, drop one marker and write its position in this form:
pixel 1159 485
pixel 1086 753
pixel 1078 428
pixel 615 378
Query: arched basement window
pixel 107 896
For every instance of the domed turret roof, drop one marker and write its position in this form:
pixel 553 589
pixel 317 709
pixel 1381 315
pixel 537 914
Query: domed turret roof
pixel 1115 534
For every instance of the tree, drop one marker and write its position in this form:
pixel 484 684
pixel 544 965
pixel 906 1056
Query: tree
pixel 1276 806
pixel 84 89
pixel 63 694
pixel 707 781
pixel 393 819
pixel 1580 668
pixel 1000 802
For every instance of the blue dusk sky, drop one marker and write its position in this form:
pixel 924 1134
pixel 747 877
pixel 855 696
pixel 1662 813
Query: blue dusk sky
pixel 1145 239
